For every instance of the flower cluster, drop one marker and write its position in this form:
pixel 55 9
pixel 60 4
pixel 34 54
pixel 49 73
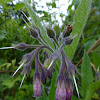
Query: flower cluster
pixel 64 90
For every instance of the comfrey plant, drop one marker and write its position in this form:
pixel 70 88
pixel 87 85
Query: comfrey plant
pixel 64 90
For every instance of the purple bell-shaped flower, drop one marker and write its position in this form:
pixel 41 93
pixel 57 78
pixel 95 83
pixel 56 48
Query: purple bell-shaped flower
pixel 61 88
pixel 37 85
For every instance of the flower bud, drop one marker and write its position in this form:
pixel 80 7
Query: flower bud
pixel 35 27
pixel 45 54
pixel 27 57
pixel 57 30
pixel 67 31
pixel 26 69
pixel 49 74
pixel 37 85
pixel 68 41
pixel 55 56
pixel 43 77
pixel 51 33
pixel 34 32
pixel 21 46
pixel 72 69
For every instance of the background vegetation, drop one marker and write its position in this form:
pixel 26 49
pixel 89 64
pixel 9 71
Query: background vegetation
pixel 13 30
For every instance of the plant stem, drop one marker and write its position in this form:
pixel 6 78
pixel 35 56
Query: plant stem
pixel 56 42
pixel 39 39
pixel 96 44
pixel 94 68
pixel 33 46
pixel 43 39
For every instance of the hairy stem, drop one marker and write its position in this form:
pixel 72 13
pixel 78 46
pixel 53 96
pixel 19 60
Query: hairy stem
pixel 56 42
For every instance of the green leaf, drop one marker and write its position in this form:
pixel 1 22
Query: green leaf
pixel 89 43
pixel 36 20
pixel 79 21
pixel 4 1
pixel 18 6
pixel 53 86
pixel 75 98
pixel 53 5
pixel 91 89
pixel 86 71
pixel 6 64
pixel 10 82
pixel 13 62
pixel 96 96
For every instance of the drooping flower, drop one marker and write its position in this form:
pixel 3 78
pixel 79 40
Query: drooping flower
pixel 53 57
pixel 20 46
pixel 64 89
pixel 26 71
pixel 37 85
pixel 26 58
pixel 61 88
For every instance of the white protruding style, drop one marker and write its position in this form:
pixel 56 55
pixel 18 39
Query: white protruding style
pixel 50 64
pixel 22 81
pixel 76 86
pixel 74 36
pixel 18 69
pixel 25 22
pixel 6 47
pixel 26 17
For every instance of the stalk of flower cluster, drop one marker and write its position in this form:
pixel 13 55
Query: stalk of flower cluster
pixel 29 57
pixel 40 38
pixel 21 46
pixel 43 73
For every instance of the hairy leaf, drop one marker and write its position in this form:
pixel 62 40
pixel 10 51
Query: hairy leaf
pixel 79 21
pixel 91 89
pixel 86 71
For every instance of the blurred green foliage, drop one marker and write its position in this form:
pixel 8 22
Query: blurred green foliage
pixel 13 30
